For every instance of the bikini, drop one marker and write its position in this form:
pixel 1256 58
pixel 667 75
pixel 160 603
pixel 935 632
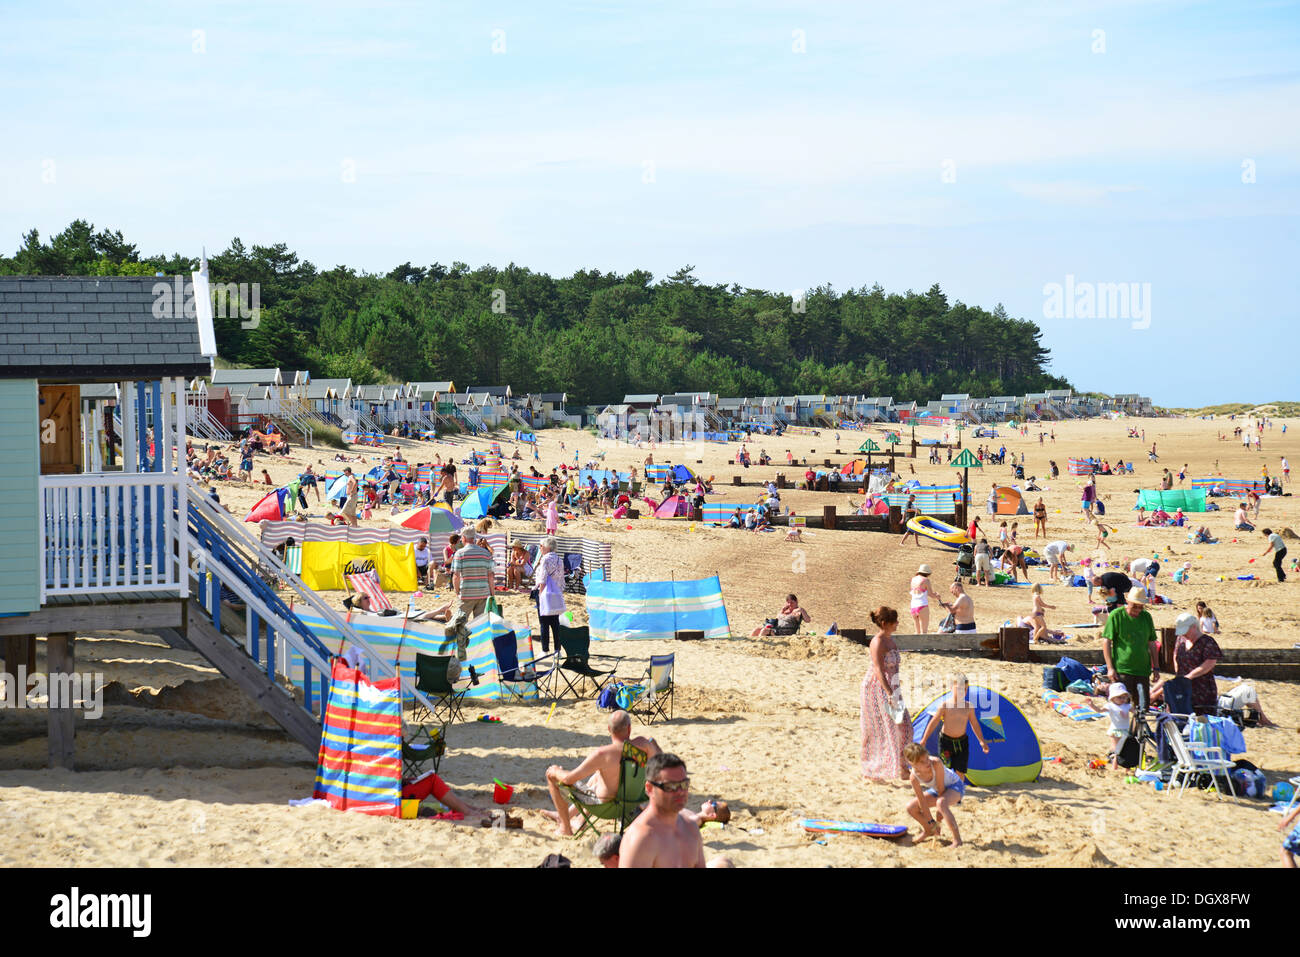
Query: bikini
pixel 920 599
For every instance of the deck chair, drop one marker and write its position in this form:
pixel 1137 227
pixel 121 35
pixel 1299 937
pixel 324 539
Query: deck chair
pixel 367 583
pixel 511 672
pixel 574 658
pixel 1194 759
pixel 627 801
pixel 658 691
pixel 422 747
pixel 431 681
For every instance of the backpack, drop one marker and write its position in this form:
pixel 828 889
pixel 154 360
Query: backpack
pixel 608 698
pixel 1128 753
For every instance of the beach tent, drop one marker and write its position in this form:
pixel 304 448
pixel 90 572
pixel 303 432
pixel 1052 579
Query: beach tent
pixel 430 518
pixel 326 565
pixel 337 490
pixel 479 500
pixel 675 506
pixel 856 467
pixel 1014 755
pixel 274 505
pixel 619 610
pixel 1010 501
pixel 1189 500
pixel 680 473
pixel 359 765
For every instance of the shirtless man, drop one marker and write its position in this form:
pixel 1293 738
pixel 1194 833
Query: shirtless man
pixel 956 714
pixel 962 607
pixel 598 773
pixel 662 835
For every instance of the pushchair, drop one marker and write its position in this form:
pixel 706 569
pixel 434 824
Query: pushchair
pixel 573 574
pixel 965 562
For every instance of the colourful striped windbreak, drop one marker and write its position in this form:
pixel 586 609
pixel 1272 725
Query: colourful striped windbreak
pixel 718 512
pixel 657 473
pixel 399 645
pixel 359 767
pixel 1081 466
pixel 925 504
pixel 1238 487
pixel 619 610
pixel 492 478
pixel 533 483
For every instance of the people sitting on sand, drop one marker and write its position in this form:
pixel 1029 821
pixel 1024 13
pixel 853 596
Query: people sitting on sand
pixel 431 784
pixel 787 620
pixel 1240 521
pixel 519 567
pixel 662 835
pixel 597 776
pixel 1037 619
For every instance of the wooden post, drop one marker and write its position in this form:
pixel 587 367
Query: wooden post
pixel 1013 644
pixel 895 518
pixel 828 516
pixel 1168 641
pixel 59 662
pixel 20 650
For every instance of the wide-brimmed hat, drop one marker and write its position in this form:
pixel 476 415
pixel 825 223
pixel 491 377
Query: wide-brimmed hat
pixel 923 570
pixel 1116 690
pixel 1136 596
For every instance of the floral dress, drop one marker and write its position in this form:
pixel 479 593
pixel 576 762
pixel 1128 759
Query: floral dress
pixel 1205 693
pixel 883 739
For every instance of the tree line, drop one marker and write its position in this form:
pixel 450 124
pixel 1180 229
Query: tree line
pixel 593 335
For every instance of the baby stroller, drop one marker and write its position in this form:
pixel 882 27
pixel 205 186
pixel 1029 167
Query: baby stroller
pixel 965 562
pixel 573 574
pixel 1020 472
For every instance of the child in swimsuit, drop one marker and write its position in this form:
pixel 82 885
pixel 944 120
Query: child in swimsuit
pixel 935 786
pixel 956 714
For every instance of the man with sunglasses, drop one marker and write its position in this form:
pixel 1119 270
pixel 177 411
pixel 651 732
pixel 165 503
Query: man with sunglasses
pixel 665 834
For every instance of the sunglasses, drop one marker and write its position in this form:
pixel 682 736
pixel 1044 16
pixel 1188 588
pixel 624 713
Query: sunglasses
pixel 671 787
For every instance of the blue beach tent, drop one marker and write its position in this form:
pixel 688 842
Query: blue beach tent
pixel 1014 754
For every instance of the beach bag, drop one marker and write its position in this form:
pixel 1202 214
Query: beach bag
pixel 1053 678
pixel 1249 780
pixel 948 626
pixel 1100 507
pixel 627 695
pixel 1128 753
pixel 608 698
pixel 1079 687
pixel 1078 581
pixel 1073 670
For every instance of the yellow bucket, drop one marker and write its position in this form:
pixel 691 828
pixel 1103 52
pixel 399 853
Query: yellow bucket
pixel 410 809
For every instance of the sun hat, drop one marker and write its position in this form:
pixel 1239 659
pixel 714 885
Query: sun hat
pixel 1116 690
pixel 1184 622
pixel 923 570
pixel 1136 596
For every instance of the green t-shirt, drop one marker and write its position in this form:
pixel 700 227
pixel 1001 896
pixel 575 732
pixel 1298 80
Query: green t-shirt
pixel 1130 640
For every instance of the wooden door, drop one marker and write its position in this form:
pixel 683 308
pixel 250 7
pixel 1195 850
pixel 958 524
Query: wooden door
pixel 60 429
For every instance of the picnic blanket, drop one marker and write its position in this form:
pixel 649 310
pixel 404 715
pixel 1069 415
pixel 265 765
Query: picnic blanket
pixel 1073 710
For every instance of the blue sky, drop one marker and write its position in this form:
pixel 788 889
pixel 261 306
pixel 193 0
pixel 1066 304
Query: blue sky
pixel 992 147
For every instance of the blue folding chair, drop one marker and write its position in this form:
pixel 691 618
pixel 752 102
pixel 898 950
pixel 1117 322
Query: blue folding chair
pixel 511 672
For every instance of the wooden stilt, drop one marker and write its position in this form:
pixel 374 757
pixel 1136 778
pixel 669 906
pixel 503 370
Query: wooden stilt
pixel 58 662
pixel 20 650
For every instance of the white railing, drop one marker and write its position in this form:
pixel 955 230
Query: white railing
pixel 112 533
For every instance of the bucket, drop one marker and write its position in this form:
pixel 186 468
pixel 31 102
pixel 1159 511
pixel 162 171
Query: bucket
pixel 502 793
pixel 410 809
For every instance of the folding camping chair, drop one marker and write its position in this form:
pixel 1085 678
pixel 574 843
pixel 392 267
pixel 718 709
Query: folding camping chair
pixel 511 672
pixel 574 657
pixel 1193 759
pixel 431 681
pixel 627 800
pixel 658 690
pixel 422 747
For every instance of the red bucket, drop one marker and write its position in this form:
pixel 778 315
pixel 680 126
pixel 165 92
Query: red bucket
pixel 502 793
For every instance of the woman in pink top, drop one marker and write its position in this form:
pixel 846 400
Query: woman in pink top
pixel 922 590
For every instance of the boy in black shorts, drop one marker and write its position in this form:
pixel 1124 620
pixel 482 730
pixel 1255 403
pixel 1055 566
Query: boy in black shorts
pixel 956 715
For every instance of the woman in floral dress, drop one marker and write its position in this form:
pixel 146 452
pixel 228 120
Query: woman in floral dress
pixel 886 726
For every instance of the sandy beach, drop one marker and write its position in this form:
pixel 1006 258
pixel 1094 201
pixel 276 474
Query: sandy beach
pixel 183 770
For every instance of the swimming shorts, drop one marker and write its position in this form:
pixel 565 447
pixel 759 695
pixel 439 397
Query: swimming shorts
pixel 967 626
pixel 954 752
pixel 1292 841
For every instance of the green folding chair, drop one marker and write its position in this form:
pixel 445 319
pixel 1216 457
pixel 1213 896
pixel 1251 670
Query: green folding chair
pixel 431 681
pixel 627 801
pixel 423 747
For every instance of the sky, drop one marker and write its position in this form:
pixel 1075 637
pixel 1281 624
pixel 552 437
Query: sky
pixel 1007 151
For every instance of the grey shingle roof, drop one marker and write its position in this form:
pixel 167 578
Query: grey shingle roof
pixel 93 329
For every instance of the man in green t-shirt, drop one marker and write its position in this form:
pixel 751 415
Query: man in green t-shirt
pixel 1128 644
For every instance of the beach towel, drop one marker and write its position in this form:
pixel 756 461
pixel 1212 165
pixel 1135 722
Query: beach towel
pixel 1070 709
